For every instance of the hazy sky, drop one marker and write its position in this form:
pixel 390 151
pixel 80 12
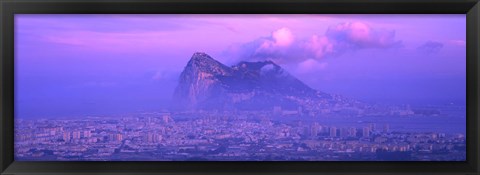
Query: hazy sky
pixel 92 64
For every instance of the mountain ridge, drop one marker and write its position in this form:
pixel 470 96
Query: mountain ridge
pixel 206 84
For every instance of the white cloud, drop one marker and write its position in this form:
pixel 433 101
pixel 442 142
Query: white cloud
pixel 267 68
pixel 283 37
pixel 283 47
pixel 319 46
pixel 310 65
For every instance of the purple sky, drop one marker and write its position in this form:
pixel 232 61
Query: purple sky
pixel 92 64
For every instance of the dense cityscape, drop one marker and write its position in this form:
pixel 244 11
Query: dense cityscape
pixel 229 136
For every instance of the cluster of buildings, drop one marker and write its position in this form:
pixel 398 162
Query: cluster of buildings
pixel 224 136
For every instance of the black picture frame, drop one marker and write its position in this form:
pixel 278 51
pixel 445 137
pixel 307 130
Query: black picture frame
pixel 8 8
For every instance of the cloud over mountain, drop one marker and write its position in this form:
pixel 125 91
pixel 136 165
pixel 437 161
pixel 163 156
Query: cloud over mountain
pixel 282 45
pixel 310 65
pixel 357 35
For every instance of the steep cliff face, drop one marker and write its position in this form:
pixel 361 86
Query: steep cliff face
pixel 207 84
pixel 199 81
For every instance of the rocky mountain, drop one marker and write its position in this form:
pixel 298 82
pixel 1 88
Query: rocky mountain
pixel 206 84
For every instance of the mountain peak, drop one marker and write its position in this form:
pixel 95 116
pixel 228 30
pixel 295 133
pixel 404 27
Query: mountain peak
pixel 203 62
pixel 201 57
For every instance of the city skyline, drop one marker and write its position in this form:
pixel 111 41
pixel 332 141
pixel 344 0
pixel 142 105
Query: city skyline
pixel 233 136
